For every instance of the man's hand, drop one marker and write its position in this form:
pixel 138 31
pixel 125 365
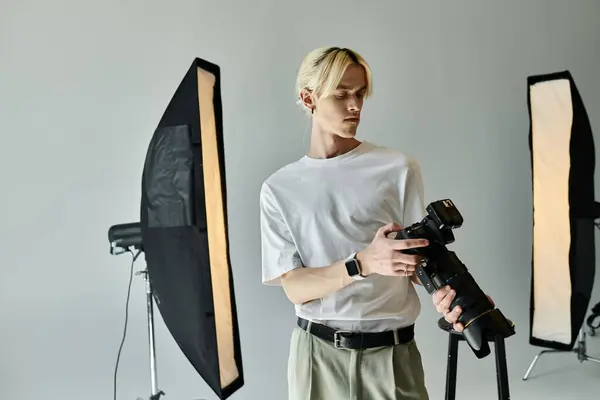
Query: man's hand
pixel 384 255
pixel 442 299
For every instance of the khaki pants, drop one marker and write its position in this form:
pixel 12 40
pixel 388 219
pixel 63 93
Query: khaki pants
pixel 319 371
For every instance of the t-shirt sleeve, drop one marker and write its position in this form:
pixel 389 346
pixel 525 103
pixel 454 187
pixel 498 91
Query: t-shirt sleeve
pixel 414 196
pixel 279 253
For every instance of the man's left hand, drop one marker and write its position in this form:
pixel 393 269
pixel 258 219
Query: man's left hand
pixel 442 299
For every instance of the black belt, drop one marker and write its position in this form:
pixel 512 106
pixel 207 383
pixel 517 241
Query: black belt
pixel 358 340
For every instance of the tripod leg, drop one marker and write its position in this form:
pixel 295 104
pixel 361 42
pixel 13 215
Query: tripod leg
pixel 535 360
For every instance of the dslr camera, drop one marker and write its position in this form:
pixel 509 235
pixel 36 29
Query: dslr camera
pixel 442 267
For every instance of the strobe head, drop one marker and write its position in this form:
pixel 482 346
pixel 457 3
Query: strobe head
pixel 123 237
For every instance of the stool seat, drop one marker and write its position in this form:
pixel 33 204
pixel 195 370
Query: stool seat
pixel 447 326
pixel 454 337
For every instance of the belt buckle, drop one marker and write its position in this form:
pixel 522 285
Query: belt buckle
pixel 336 339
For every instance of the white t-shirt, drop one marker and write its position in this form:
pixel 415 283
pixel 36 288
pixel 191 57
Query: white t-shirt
pixel 318 211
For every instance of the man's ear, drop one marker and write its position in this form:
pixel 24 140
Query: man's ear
pixel 307 98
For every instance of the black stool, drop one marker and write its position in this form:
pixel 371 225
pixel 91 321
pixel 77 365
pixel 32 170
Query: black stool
pixel 454 338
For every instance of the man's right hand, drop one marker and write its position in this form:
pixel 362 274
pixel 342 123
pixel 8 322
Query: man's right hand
pixel 384 257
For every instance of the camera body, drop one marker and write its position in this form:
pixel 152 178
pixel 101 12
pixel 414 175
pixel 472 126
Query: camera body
pixel 442 267
pixel 442 217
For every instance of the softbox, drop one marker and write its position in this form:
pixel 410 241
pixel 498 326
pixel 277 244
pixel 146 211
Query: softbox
pixel 563 164
pixel 184 229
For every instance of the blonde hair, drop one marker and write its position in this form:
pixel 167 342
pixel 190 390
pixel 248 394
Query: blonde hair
pixel 322 70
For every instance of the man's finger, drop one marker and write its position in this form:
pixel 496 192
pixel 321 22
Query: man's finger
pixel 439 295
pixel 452 316
pixel 411 259
pixel 389 228
pixel 443 292
pixel 403 244
pixel 404 267
pixel 458 327
pixel 447 300
pixel 402 272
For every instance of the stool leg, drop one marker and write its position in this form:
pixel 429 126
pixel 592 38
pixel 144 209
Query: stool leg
pixel 451 367
pixel 501 369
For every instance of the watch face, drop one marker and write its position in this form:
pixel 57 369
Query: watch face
pixel 352 267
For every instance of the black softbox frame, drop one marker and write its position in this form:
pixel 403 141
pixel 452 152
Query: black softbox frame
pixel 564 210
pixel 184 228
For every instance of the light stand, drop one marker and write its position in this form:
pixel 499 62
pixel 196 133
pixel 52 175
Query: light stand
pixel 155 393
pixel 580 349
pixel 123 238
pixel 590 321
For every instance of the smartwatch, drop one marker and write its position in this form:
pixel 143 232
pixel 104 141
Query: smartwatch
pixel 353 267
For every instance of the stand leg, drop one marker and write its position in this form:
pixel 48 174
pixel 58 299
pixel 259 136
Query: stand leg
pixel 501 369
pixel 451 367
pixel 153 377
pixel 155 394
pixel 535 360
pixel 580 350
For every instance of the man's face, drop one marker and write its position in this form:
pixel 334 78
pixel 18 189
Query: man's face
pixel 339 113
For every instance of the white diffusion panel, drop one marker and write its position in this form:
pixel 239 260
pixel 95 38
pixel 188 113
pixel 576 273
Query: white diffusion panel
pixel 551 119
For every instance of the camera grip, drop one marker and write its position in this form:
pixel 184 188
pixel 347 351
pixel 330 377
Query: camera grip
pixel 428 284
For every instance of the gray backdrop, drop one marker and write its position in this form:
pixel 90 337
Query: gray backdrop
pixel 83 84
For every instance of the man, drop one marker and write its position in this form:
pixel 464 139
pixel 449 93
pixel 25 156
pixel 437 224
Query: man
pixel 326 222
